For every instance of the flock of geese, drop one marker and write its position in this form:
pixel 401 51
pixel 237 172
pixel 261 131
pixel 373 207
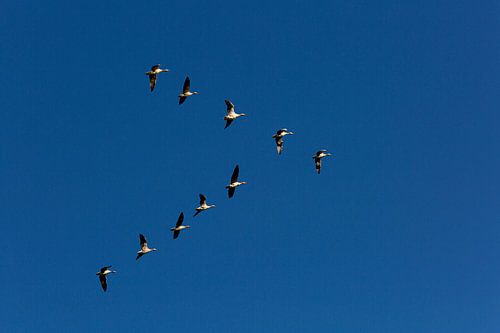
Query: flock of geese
pixel 231 187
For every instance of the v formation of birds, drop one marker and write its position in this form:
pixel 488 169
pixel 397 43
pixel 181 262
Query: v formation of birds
pixel 231 187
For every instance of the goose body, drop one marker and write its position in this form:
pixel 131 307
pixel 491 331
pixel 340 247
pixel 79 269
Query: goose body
pixel 153 75
pixel 203 205
pixel 102 276
pixel 318 157
pixel 186 91
pixel 278 137
pixel 231 115
pixel 234 182
pixel 178 226
pixel 144 247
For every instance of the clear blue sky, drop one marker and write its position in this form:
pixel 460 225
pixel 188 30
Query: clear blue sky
pixel 399 233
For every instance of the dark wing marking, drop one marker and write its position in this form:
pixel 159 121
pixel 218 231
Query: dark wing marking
pixel 318 165
pixel 104 284
pixel 320 151
pixel 187 84
pixel 197 212
pixel 176 234
pixel 181 99
pixel 230 191
pixel 142 240
pixel 279 145
pixel 155 67
pixel 105 268
pixel 228 122
pixel 230 106
pixel 180 220
pixel 236 172
pixel 203 199
pixel 152 81
pixel 139 255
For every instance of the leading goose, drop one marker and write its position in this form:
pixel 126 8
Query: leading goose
pixel 203 205
pixel 317 159
pixel 234 182
pixel 153 73
pixel 280 134
pixel 178 226
pixel 186 91
pixel 231 115
pixel 144 247
pixel 102 276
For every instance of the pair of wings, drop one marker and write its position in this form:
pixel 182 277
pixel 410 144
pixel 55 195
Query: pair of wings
pixel 144 242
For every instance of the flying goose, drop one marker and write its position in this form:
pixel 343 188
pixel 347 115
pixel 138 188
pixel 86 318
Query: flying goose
pixel 102 276
pixel 153 73
pixel 203 205
pixel 317 158
pixel 144 247
pixel 280 134
pixel 234 182
pixel 178 226
pixel 231 115
pixel 185 91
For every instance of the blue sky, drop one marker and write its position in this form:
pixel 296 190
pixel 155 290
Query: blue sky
pixel 399 233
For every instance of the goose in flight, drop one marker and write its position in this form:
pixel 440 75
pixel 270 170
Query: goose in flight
pixel 203 205
pixel 102 276
pixel 178 226
pixel 153 73
pixel 231 115
pixel 144 247
pixel 280 134
pixel 234 182
pixel 186 91
pixel 317 158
